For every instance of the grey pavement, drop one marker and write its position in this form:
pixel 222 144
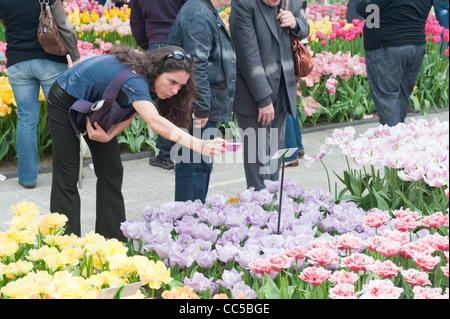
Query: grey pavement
pixel 145 185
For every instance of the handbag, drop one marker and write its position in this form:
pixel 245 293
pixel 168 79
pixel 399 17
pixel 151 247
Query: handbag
pixel 47 32
pixel 303 61
pixel 106 112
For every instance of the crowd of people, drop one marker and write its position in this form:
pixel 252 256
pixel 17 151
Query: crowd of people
pixel 192 73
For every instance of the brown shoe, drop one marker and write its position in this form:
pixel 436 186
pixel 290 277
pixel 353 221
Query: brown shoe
pixel 301 154
pixel 291 164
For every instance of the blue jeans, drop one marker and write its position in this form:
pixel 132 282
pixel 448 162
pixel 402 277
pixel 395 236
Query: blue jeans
pixel 293 137
pixel 26 78
pixel 392 74
pixel 192 170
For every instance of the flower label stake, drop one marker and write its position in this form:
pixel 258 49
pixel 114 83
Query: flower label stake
pixel 283 153
pixel 120 291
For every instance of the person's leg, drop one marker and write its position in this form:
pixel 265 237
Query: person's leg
pixel 413 59
pixel 26 93
pixel 293 138
pixel 193 170
pixel 64 196
pixel 259 144
pixel 163 159
pixel 110 206
pixel 25 79
pixel 384 73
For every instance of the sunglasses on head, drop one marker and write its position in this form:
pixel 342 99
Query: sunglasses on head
pixel 179 56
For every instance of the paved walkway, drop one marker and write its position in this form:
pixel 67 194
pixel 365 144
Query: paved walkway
pixel 146 185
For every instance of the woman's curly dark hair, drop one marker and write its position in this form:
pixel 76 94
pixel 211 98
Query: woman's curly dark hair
pixel 151 64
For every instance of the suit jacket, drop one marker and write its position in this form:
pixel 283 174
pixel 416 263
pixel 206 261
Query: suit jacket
pixel 264 54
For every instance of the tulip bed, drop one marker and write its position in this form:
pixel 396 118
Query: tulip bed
pixel 323 247
pixel 336 91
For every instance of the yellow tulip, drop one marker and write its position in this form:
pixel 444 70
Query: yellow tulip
pixel 25 208
pixel 70 256
pixel 21 267
pixel 94 16
pixel 22 236
pixel 4 109
pixel 69 287
pixel 52 221
pixel 40 253
pixel 8 246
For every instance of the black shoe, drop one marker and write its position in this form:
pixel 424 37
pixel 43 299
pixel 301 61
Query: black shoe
pixel 159 162
pixel 26 186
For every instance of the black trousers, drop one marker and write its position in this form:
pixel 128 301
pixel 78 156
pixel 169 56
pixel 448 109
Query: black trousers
pixel 65 198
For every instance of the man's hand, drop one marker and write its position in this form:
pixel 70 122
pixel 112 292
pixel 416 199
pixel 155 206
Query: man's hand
pixel 199 122
pixel 287 19
pixel 266 114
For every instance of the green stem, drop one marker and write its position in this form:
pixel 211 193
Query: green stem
pixel 328 176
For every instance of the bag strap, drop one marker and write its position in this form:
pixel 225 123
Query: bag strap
pixel 113 88
pixel 286 5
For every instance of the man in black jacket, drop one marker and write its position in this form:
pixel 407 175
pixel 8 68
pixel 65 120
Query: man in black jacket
pixel 395 45
pixel 150 22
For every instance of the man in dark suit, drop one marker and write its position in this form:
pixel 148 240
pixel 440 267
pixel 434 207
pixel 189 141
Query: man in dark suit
pixel 265 83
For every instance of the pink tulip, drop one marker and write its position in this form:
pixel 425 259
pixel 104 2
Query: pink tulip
pixel 375 220
pixel 315 275
pixel 279 262
pixel 348 242
pixel 437 241
pixel 445 270
pixel 446 37
pixel 397 236
pixel 260 266
pixel 436 38
pixel 389 248
pixel 426 261
pixel 298 252
pixel 343 291
pixel 323 256
pixel 357 262
pixel 433 221
pixel 379 287
pixel 428 293
pixel 415 277
pixel 385 269
pixel 400 213
pixel 410 249
pixel 343 277
pixel 405 224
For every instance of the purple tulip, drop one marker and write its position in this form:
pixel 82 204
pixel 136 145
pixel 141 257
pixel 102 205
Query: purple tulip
pixel 230 278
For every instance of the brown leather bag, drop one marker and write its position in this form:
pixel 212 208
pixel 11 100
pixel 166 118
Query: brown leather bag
pixel 47 32
pixel 303 61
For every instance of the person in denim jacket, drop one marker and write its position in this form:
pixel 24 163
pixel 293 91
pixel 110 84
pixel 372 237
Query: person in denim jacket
pixel 200 31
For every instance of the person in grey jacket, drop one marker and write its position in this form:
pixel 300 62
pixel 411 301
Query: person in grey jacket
pixel 266 87
pixel 200 31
